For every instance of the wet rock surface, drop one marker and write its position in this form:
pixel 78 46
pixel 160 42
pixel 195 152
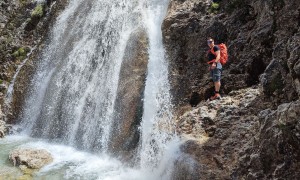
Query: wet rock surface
pixel 3 127
pixel 23 29
pixel 30 158
pixel 129 103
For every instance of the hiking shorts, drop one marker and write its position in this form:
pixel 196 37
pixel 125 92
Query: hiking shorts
pixel 216 74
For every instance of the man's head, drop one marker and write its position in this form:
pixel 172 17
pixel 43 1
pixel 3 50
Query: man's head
pixel 210 42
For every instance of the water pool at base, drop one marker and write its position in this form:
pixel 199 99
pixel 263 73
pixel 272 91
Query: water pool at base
pixel 70 163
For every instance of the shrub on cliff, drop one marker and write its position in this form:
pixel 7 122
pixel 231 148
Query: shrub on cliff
pixel 36 15
pixel 38 11
pixel 214 8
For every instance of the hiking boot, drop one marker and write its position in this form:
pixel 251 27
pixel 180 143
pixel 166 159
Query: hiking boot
pixel 216 96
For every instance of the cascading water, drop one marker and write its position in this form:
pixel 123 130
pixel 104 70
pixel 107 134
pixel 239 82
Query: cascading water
pixel 157 127
pixel 74 90
pixel 75 86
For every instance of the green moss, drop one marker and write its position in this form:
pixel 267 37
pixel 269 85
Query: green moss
pixel 21 53
pixel 24 2
pixel 38 11
pixel 215 5
pixel 214 8
pixel 1 81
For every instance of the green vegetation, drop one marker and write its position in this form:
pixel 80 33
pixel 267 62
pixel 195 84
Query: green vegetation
pixel 1 81
pixel 23 2
pixel 38 11
pixel 20 53
pixel 214 8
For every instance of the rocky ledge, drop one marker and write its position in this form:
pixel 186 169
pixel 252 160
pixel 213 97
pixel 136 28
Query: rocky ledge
pixel 232 138
pixel 214 132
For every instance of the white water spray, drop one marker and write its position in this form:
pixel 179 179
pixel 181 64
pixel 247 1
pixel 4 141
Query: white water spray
pixel 157 127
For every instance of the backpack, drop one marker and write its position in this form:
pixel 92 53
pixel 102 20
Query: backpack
pixel 223 53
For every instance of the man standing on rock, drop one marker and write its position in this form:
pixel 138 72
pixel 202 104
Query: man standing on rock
pixel 215 67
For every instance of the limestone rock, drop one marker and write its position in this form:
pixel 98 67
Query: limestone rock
pixel 220 129
pixel 272 79
pixel 276 146
pixel 31 158
pixel 3 128
pixel 201 120
pixel 129 103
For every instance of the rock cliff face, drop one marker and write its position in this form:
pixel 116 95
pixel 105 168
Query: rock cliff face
pixel 250 134
pixel 23 28
pixel 262 37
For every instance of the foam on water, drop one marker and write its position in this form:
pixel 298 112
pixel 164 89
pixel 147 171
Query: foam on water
pixel 70 163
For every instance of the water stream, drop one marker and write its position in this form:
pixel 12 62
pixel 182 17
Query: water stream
pixel 70 107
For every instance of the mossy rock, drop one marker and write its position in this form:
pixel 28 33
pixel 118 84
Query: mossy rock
pixel 38 11
pixel 214 8
pixel 24 2
pixel 21 53
pixel 36 16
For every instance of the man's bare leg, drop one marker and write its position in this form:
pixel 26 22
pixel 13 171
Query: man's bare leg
pixel 217 86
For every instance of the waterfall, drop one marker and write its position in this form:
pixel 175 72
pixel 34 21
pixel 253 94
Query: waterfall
pixel 74 89
pixel 72 97
pixel 157 127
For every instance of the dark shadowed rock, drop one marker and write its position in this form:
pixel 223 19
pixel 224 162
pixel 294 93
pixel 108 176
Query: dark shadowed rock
pixel 187 167
pixel 272 79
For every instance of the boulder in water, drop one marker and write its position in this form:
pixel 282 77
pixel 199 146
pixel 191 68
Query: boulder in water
pixel 31 158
